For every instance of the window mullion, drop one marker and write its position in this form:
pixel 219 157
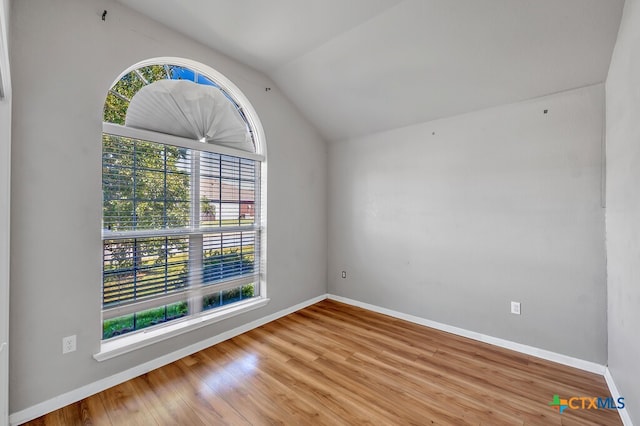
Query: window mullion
pixel 165 219
pixel 195 189
pixel 220 190
pixel 195 240
pixel 195 271
pixel 134 170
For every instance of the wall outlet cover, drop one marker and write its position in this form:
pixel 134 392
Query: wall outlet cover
pixel 68 344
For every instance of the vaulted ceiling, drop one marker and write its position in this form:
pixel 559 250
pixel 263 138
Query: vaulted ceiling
pixel 356 67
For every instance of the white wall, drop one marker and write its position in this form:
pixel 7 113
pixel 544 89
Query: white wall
pixel 451 220
pixel 5 190
pixel 623 209
pixel 64 59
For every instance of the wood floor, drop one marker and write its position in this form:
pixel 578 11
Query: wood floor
pixel 336 364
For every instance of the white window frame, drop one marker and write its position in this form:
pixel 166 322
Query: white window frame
pixel 138 339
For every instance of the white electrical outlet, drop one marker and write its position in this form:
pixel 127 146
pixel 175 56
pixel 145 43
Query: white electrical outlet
pixel 68 344
pixel 515 308
pixel 344 274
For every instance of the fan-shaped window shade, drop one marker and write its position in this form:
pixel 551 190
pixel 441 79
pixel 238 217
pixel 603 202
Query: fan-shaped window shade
pixel 194 111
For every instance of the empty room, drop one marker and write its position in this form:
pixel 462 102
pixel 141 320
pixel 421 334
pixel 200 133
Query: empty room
pixel 389 212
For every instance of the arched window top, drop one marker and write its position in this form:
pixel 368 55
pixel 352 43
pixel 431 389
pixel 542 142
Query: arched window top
pixel 182 98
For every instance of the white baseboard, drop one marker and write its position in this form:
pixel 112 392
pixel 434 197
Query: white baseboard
pixel 76 395
pixel 60 401
pixel 615 394
pixel 589 366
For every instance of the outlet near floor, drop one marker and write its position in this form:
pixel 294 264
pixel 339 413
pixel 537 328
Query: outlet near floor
pixel 515 308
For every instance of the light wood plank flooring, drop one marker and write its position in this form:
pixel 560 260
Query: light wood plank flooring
pixel 336 364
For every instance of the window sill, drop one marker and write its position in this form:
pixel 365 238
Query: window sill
pixel 126 344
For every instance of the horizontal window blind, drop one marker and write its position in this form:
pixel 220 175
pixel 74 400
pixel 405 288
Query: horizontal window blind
pixel 139 269
pixel 228 255
pixel 180 231
pixel 145 185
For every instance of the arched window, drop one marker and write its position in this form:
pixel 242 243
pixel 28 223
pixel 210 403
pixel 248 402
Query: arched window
pixel 182 231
